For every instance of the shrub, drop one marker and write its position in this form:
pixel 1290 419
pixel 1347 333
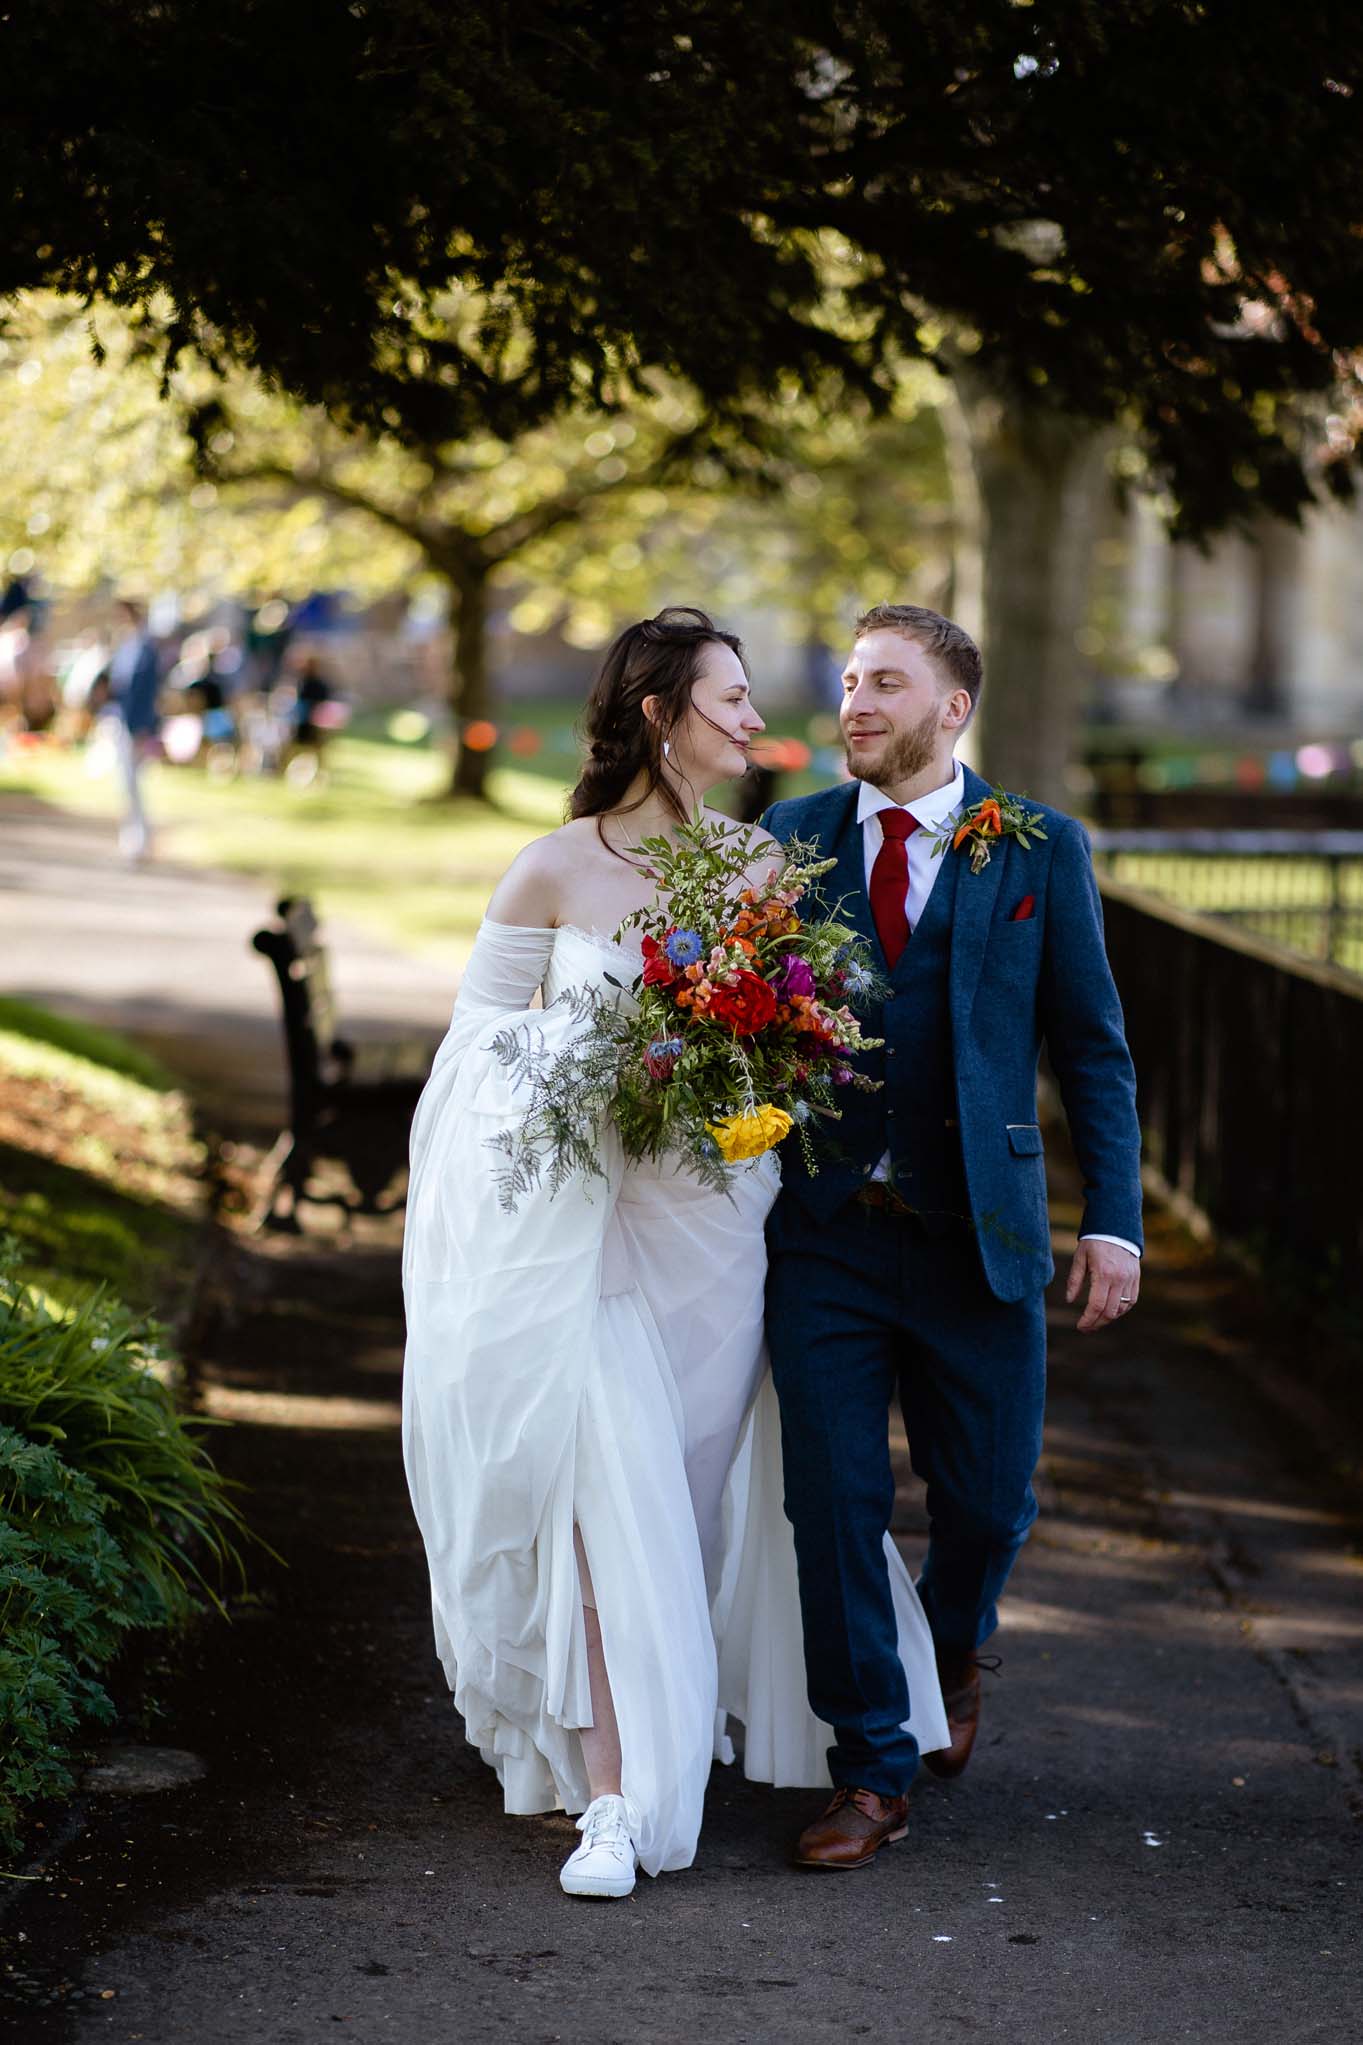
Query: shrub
pixel 67 1595
pixel 112 1516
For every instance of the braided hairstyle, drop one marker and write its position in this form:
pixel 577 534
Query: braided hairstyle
pixel 658 657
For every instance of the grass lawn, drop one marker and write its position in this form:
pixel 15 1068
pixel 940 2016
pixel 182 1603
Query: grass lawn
pixel 97 1162
pixel 374 842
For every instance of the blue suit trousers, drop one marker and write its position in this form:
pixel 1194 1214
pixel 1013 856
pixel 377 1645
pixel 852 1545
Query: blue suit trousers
pixel 859 1308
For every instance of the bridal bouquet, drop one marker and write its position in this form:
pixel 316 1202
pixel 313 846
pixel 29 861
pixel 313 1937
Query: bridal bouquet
pixel 736 1032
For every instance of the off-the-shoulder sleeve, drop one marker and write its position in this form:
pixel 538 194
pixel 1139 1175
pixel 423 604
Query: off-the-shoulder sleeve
pixel 505 968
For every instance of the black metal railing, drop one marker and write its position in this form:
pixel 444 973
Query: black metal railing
pixel 1302 890
pixel 1248 1064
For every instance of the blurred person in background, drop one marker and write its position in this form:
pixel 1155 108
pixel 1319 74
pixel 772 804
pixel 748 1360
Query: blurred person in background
pixel 28 695
pixel 134 683
pixel 314 689
pixel 316 710
pixel 84 683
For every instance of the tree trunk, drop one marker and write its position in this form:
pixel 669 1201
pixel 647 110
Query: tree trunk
pixel 966 602
pixel 471 688
pixel 1041 475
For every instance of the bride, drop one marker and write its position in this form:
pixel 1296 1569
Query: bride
pixel 589 1431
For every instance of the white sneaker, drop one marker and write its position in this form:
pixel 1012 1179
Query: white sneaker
pixel 604 1863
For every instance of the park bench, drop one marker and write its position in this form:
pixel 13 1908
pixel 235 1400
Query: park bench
pixel 348 1104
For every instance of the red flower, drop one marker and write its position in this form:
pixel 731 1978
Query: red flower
pixel 659 970
pixel 747 1006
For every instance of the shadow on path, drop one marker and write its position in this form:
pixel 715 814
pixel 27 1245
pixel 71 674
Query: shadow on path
pixel 1158 1839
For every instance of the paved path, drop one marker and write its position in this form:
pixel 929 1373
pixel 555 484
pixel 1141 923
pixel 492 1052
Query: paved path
pixel 164 953
pixel 1159 1838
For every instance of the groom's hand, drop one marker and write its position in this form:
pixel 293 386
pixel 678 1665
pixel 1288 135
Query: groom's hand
pixel 1114 1282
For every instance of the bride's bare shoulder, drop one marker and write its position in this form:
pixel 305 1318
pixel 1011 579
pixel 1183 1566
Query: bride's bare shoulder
pixel 531 891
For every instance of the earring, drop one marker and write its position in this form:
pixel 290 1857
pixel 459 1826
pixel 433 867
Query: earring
pixel 667 749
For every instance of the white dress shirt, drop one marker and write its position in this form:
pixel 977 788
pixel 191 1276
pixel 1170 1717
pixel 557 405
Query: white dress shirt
pixel 930 812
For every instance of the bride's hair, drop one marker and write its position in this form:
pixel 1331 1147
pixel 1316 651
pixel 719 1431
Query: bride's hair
pixel 658 657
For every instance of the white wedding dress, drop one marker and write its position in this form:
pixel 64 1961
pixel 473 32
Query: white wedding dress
pixel 596 1357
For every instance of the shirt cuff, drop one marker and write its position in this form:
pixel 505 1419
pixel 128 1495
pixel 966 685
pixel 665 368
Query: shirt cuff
pixel 1120 1241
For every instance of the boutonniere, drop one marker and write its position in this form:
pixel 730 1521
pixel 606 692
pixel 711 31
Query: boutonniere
pixel 981 828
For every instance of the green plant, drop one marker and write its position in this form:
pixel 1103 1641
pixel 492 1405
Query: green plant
pixel 67 1596
pixel 89 1380
pixel 112 1517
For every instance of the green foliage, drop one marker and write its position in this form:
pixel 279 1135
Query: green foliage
pixel 90 1380
pixel 112 1517
pixel 1128 210
pixel 67 1597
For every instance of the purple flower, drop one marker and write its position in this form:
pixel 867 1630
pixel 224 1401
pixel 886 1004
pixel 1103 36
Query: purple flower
pixel 793 977
pixel 842 1075
pixel 683 947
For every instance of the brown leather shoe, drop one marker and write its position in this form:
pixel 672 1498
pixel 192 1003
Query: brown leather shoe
pixel 960 1679
pixel 852 1830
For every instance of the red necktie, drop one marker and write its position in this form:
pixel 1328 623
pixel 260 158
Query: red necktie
pixel 890 883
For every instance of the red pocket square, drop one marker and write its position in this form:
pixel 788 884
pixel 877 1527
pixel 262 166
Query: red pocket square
pixel 1023 909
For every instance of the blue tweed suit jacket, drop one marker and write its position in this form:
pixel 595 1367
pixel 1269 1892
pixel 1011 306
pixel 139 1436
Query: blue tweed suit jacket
pixel 1011 985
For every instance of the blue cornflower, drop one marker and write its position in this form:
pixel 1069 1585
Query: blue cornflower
pixel 684 947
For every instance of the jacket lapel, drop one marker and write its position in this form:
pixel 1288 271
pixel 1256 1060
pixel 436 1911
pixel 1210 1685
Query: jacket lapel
pixel 844 889
pixel 976 894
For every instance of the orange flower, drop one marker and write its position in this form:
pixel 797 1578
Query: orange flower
pixel 987 822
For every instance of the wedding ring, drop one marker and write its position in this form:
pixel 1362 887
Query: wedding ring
pixel 1124 1299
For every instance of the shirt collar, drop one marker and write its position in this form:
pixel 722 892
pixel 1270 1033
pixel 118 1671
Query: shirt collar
pixel 930 810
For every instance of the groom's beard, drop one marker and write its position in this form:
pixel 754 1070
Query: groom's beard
pixel 906 754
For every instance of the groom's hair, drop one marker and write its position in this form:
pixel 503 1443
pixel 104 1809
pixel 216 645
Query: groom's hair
pixel 955 652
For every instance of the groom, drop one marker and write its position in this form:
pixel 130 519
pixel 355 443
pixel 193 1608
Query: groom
pixel 915 1260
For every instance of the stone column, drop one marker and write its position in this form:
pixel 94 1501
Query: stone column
pixel 1214 607
pixel 1276 652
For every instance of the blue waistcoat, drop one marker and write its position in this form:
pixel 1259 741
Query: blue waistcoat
pixel 913 1116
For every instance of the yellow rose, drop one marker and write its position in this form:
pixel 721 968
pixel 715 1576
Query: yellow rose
pixel 740 1136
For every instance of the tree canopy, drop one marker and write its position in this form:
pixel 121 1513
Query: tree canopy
pixel 105 481
pixel 1134 209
